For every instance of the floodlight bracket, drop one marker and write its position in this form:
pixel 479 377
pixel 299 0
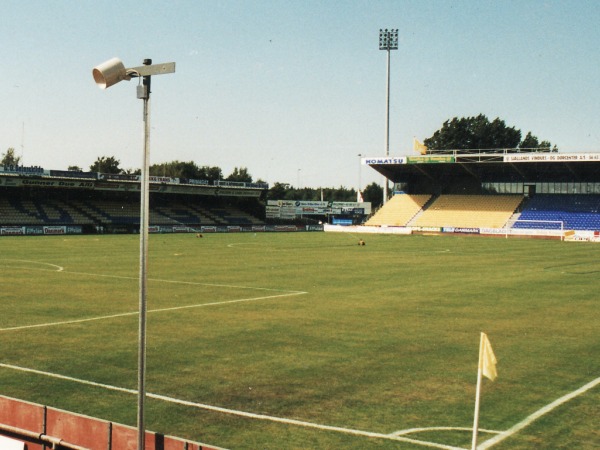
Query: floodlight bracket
pixel 154 69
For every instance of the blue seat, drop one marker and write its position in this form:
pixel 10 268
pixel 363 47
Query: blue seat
pixel 576 211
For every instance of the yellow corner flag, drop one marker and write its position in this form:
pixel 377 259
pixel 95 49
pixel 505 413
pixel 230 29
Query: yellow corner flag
pixel 487 368
pixel 419 147
pixel 487 359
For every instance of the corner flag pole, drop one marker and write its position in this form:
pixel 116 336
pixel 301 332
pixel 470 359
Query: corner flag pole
pixel 478 393
pixel 485 368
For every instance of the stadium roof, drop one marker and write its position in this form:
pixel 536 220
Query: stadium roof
pixel 490 167
pixel 39 178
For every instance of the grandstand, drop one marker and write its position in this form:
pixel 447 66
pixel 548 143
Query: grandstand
pixel 575 211
pixel 468 211
pixel 492 192
pixel 487 192
pixel 33 199
pixel 480 211
pixel 399 210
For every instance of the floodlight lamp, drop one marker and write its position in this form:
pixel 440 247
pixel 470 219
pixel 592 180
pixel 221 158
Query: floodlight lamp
pixel 388 39
pixel 109 73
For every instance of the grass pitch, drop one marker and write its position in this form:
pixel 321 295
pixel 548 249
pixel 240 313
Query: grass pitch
pixel 329 344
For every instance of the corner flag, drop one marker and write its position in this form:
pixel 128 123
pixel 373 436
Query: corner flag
pixel 488 360
pixel 486 368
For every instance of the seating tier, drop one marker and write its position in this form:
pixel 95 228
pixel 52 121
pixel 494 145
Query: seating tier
pixel 469 211
pixel 399 210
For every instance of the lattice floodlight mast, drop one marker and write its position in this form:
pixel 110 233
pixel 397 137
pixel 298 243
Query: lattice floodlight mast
pixel 388 40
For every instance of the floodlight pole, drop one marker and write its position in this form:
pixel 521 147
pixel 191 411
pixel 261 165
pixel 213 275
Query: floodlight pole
pixel 388 40
pixel 105 75
pixel 144 94
pixel 359 173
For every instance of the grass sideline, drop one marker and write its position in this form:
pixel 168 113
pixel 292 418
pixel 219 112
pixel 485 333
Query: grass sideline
pixel 379 338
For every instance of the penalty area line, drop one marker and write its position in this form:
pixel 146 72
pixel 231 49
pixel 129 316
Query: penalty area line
pixel 191 283
pixel 234 412
pixel 150 311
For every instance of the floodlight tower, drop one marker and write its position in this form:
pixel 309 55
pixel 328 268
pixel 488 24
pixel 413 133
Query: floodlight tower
pixel 359 176
pixel 388 40
pixel 105 75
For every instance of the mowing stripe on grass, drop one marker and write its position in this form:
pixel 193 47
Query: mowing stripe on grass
pixel 135 313
pixel 539 413
pixel 238 413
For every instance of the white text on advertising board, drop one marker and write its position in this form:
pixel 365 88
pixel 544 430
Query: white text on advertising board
pixel 385 160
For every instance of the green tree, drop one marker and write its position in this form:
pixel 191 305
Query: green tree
pixel 478 133
pixel 531 142
pixel 176 169
pixel 210 173
pixel 106 164
pixel 278 191
pixel 373 193
pixel 283 191
pixel 74 169
pixel 240 174
pixel 186 169
pixel 473 133
pixel 9 158
pixel 342 194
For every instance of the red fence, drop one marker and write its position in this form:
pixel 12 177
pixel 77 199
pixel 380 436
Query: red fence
pixel 36 425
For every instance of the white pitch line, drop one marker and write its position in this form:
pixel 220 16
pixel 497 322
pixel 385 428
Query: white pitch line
pixel 421 430
pixel 135 313
pixel 193 283
pixel 233 286
pixel 243 244
pixel 235 412
pixel 539 413
pixel 239 300
pixel 283 293
pixel 66 378
pixel 66 322
pixel 57 267
pixel 121 277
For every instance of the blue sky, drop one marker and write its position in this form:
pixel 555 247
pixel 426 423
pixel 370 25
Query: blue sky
pixel 292 90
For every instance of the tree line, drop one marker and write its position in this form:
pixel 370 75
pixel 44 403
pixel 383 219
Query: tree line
pixel 284 191
pixel 278 191
pixel 189 169
pixel 476 132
